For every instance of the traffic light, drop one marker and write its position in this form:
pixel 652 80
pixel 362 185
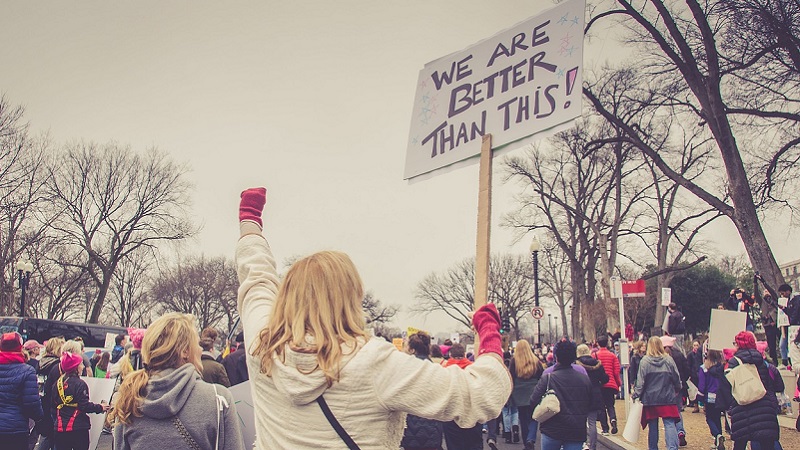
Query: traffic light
pixel 506 325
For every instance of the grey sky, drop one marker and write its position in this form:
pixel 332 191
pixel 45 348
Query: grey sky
pixel 310 98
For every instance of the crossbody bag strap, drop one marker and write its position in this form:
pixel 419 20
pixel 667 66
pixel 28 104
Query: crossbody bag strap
pixel 351 444
pixel 185 433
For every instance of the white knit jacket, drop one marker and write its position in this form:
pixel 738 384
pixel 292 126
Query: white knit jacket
pixel 378 384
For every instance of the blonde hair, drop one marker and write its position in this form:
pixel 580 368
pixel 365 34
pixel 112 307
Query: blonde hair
pixel 71 346
pixel 655 348
pixel 320 297
pixel 583 350
pixel 527 364
pixel 53 346
pixel 170 342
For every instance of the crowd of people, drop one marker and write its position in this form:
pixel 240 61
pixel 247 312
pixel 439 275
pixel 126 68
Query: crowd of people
pixel 320 380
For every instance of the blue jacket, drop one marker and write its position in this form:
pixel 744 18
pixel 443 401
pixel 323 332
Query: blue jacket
pixel 709 382
pixel 19 396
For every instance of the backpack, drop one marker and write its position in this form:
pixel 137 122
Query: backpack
pixel 746 385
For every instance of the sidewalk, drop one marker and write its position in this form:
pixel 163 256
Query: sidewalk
pixel 697 434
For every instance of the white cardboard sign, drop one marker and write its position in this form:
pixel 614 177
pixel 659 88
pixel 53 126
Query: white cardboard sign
pixel 100 389
pixel 519 82
pixel 243 399
pixel 724 327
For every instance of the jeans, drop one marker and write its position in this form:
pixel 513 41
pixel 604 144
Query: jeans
pixel 525 420
pixel 670 434
pixel 549 443
pixel 510 417
pixel 533 428
pixel 714 419
pixel 784 343
pixel 608 412
pixel 591 428
pixel 491 429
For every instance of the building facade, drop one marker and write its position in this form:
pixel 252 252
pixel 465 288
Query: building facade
pixel 791 273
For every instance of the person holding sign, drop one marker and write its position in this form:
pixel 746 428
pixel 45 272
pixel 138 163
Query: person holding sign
pixel 318 380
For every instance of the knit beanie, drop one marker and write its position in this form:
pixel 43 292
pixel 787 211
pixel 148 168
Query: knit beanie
pixel 667 341
pixel 745 340
pixel 136 335
pixel 12 342
pixel 70 362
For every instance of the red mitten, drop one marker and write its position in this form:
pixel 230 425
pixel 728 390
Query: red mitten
pixel 486 321
pixel 251 204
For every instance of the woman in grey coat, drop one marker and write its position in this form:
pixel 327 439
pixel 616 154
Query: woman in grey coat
pixel 657 386
pixel 167 404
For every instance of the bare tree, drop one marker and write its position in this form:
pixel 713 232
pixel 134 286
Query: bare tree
pixel 113 202
pixel 555 280
pixel 376 312
pixel 205 287
pixel 701 66
pixel 130 303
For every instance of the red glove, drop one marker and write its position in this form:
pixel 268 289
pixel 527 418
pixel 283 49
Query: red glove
pixel 251 204
pixel 486 321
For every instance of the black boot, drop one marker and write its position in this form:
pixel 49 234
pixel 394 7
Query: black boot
pixel 515 433
pixel 507 436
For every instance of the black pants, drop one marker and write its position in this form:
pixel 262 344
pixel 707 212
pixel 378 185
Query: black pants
pixel 461 438
pixel 772 342
pixel 608 412
pixel 72 440
pixel 742 445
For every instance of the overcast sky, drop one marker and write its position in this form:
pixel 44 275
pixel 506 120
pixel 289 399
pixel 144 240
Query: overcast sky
pixel 312 99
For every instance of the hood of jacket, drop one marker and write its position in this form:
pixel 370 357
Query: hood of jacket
pixel 460 362
pixel 716 371
pixel 589 363
pixel 298 375
pixel 168 391
pixel 656 362
pixel 750 356
pixel 47 363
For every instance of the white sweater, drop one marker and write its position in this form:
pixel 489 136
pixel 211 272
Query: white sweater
pixel 378 384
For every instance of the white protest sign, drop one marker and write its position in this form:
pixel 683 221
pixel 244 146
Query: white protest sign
pixel 110 341
pixel 243 399
pixel 666 296
pixel 724 327
pixel 100 389
pixel 521 81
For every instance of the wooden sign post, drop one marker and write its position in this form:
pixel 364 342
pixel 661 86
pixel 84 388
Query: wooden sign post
pixel 482 253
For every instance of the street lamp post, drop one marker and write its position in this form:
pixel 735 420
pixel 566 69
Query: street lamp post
pixel 535 247
pixel 550 327
pixel 556 320
pixel 24 269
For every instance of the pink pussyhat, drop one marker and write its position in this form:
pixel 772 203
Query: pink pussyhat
pixel 70 362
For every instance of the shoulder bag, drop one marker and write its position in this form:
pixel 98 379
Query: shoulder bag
pixel 548 406
pixel 746 385
pixel 351 444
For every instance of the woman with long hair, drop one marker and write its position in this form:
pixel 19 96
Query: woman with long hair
pixel 102 365
pixel 313 367
pixel 657 386
pixel 167 404
pixel 71 405
pixel 598 377
pixel 526 369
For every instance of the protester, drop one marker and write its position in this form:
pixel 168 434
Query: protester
pixel 49 371
pixel 87 363
pixel 421 433
pixel 19 394
pixel 213 372
pixel 694 360
pixel 710 376
pixel 135 353
pixel 769 319
pixel 71 403
pixel 658 386
pixel 757 421
pixel 510 412
pixel 168 405
pixel 638 350
pixel 668 342
pixel 211 334
pixel 236 364
pixel 119 348
pixel 676 324
pixel 102 366
pixel 32 348
pixel 526 370
pixel 309 341
pixel 436 354
pixel 598 377
pixel 608 416
pixel 567 429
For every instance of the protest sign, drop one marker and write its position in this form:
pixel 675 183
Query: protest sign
pixel 521 81
pixel 724 327
pixel 666 296
pixel 243 399
pixel 398 343
pixel 100 389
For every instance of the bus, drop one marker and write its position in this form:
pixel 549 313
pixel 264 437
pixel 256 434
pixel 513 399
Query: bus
pixel 93 335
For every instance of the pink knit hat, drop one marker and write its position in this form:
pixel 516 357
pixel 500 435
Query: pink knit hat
pixel 136 334
pixel 70 362
pixel 667 341
pixel 728 353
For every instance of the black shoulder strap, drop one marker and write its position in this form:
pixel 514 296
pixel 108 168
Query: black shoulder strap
pixel 351 444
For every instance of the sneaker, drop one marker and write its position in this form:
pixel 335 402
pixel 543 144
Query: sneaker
pixel 604 433
pixel 585 446
pixel 719 442
pixel 682 439
pixel 529 445
pixel 492 444
pixel 614 426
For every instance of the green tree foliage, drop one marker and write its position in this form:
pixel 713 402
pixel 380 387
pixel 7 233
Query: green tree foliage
pixel 697 291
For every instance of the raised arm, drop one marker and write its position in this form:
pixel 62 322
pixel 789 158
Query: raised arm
pixel 255 266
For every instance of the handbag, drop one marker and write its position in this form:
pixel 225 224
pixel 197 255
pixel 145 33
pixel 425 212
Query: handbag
pixel 548 406
pixel 746 385
pixel 351 444
pixel 633 424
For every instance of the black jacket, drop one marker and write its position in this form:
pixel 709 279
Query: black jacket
pixel 574 392
pixel 676 324
pixel 236 366
pixel 792 310
pixel 598 377
pixel 633 370
pixel 757 421
pixel 681 363
pixel 72 414
pixel 420 432
pixel 694 360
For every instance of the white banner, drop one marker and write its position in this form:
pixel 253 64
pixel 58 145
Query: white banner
pixel 666 296
pixel 725 325
pixel 100 390
pixel 519 82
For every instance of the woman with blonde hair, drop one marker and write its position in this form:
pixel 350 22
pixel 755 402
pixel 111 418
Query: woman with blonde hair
pixel 526 370
pixel 657 386
pixel 318 380
pixel 167 404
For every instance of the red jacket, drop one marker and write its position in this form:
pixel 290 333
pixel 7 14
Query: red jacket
pixel 460 362
pixel 611 366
